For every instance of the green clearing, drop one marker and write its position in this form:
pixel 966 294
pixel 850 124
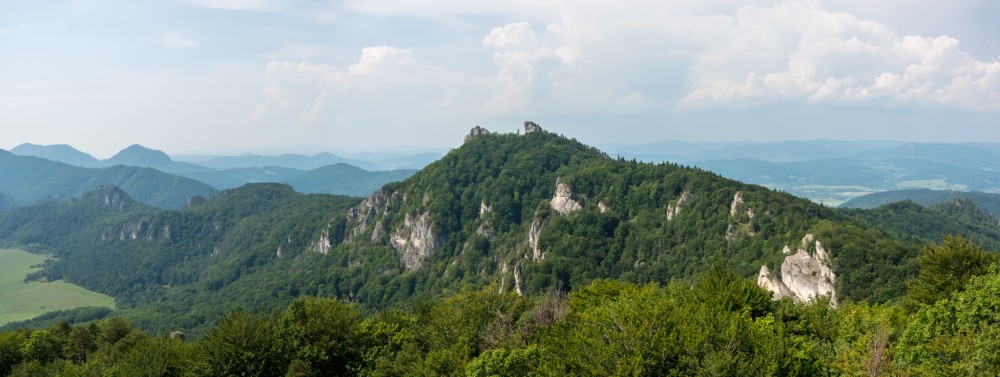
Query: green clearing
pixel 20 301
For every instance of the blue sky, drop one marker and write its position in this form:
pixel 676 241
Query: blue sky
pixel 277 75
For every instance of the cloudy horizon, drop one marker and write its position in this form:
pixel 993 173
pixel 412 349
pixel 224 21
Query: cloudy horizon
pixel 268 75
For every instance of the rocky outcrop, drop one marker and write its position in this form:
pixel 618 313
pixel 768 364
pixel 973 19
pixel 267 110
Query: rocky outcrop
pixel 533 231
pixel 476 131
pixel 530 127
pixel 414 240
pixel 804 276
pixel 739 225
pixel 674 209
pixel 602 207
pixel 322 245
pixel 366 212
pixel 561 201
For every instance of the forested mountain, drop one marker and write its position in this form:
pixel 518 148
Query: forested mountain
pixel 985 201
pixel 6 202
pixel 61 153
pixel 524 213
pixel 497 255
pixel 28 180
pixel 287 160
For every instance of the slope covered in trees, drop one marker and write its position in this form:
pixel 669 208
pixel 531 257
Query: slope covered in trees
pixel 989 203
pixel 528 214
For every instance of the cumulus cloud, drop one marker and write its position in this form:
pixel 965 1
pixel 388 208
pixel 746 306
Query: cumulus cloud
pixel 798 51
pixel 177 41
pixel 517 56
pixel 383 76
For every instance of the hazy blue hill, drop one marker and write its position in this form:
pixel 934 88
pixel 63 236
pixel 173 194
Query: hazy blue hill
pixel 293 161
pixel 345 179
pixel 939 152
pixel 833 172
pixel 28 180
pixel 6 202
pixel 137 155
pixel 783 151
pixel 60 152
pixel 990 203
pixel 235 177
pixel 342 179
pixel 417 161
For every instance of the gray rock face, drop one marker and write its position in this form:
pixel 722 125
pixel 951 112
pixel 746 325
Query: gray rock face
pixel 739 225
pixel 675 209
pixel 322 245
pixel 561 201
pixel 377 203
pixel 804 277
pixel 476 131
pixel 536 228
pixel 414 240
pixel 530 127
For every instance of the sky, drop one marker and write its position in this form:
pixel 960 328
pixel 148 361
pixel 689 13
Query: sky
pixel 227 76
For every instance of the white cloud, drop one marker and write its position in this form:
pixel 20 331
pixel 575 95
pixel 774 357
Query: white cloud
pixel 7 31
pixel 251 5
pixel 383 78
pixel 799 51
pixel 633 102
pixel 178 41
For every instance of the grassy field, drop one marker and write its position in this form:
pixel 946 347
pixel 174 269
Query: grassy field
pixel 20 300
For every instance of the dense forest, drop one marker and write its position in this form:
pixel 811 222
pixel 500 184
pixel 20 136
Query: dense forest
pixel 514 254
pixel 716 323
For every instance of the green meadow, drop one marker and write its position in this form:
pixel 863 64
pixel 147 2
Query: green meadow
pixel 20 300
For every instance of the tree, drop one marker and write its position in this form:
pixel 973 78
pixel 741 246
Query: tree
pixel 41 346
pixel 946 268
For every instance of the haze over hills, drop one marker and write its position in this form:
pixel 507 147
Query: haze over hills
pixel 832 172
pixel 27 180
pixel 985 201
pixel 60 152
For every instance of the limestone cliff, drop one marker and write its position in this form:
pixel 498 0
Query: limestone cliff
pixel 376 204
pixel 476 131
pixel 804 276
pixel 674 209
pixel 414 240
pixel 561 201
pixel 530 127
pixel 536 228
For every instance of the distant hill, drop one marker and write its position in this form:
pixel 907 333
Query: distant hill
pixel 293 161
pixel 990 203
pixel 28 180
pixel 60 152
pixel 345 179
pixel 6 202
pixel 342 179
pixel 137 155
pixel 939 152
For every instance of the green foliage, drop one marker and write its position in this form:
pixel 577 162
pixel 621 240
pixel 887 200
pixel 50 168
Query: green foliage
pixel 946 268
pixel 42 347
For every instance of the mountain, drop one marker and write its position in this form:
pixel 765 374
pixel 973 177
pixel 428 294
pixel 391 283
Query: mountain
pixel 28 180
pixel 938 152
pixel 338 178
pixel 529 213
pixel 137 155
pixel 344 179
pixel 6 202
pixel 293 161
pixel 60 152
pixel 990 203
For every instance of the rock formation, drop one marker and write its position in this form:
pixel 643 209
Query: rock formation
pixel 536 228
pixel 530 127
pixel 377 202
pixel 675 209
pixel 561 201
pixel 476 131
pixel 804 277
pixel 414 240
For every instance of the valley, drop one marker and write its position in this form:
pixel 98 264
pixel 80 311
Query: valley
pixel 21 300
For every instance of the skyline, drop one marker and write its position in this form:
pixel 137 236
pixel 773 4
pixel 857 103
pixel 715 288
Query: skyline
pixel 261 75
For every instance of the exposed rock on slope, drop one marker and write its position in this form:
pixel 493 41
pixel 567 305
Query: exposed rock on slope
pixel 476 131
pixel 530 127
pixel 561 201
pixel 804 277
pixel 674 209
pixel 415 240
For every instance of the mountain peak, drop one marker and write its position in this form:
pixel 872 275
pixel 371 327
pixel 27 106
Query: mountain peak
pixel 137 155
pixel 56 152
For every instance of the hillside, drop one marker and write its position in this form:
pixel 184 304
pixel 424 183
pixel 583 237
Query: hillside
pixel 27 180
pixel 527 213
pixel 341 179
pixel 137 155
pixel 985 201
